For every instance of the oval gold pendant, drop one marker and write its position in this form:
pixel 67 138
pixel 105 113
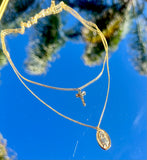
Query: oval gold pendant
pixel 103 139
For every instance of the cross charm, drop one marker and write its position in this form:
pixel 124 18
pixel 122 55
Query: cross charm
pixel 81 94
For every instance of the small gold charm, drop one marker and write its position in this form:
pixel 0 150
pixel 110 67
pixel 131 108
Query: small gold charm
pixel 103 139
pixel 81 95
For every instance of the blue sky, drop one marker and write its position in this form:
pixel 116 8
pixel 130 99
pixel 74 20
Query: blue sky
pixel 35 132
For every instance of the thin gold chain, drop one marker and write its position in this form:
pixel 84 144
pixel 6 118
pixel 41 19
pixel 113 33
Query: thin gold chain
pixel 55 9
pixel 3 7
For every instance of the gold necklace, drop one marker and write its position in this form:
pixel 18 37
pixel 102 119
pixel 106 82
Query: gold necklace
pixel 102 137
pixel 3 7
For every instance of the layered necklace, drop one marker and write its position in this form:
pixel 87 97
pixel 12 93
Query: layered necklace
pixel 102 137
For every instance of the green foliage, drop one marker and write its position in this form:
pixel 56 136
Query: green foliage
pixel 139 48
pixel 138 40
pixel 45 43
pixel 17 11
pixel 3 60
pixel 48 37
pixel 4 151
pixel 111 22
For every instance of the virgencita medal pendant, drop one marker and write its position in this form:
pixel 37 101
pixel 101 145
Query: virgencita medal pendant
pixel 103 139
